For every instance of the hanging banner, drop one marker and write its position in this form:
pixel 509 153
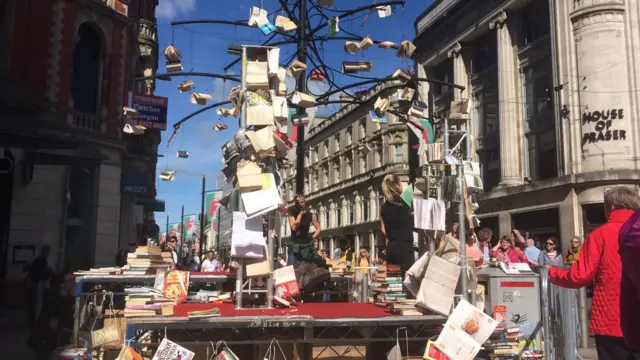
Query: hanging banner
pixel 189 222
pixel 162 238
pixel 174 230
pixel 212 201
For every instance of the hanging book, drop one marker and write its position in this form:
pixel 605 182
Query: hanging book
pixel 351 47
pixel 130 112
pixel 265 25
pixel 182 154
pixel 334 26
pixel 375 118
pixel 401 75
pixel 384 11
pixel 350 67
pixel 325 2
pixel 366 43
pixel 280 109
pixel 459 109
pixel 167 175
pixel 134 129
pixel 255 13
pixel 200 98
pixel 296 68
pixel 259 109
pixel 406 49
pixel 174 67
pixel 418 109
pixel 285 23
pixel 303 100
pixel 220 127
pixel 387 44
pixel 273 61
pixel 185 86
pixel 172 54
pixel 381 105
pixel 298 120
pixel 257 75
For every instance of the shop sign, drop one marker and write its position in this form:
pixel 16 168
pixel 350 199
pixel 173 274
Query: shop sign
pixel 152 110
pixel 136 183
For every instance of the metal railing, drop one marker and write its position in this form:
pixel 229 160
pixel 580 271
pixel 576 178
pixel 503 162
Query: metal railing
pixel 560 320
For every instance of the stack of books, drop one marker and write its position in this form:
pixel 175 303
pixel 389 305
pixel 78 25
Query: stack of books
pixel 147 302
pixel 405 307
pixel 100 271
pixel 387 285
pixel 147 260
pixel 507 343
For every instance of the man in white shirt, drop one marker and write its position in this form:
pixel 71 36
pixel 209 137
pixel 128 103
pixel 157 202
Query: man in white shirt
pixel 210 264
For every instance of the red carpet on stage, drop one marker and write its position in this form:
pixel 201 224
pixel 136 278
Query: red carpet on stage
pixel 317 310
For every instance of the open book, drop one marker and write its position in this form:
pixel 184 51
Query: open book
pixel 465 331
pixel 515 268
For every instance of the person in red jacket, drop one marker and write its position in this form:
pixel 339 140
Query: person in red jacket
pixel 629 240
pixel 600 261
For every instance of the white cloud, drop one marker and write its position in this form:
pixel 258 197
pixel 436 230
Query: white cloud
pixel 170 9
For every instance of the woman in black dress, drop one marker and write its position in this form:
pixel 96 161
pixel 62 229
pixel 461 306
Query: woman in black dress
pixel 396 223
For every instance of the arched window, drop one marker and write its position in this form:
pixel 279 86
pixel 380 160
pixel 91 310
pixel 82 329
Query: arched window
pixel 86 70
pixel 398 148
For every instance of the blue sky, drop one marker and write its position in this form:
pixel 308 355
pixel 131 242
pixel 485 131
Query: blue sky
pixel 203 48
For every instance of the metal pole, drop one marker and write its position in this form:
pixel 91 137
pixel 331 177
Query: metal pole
pixel 462 235
pixel 583 318
pixel 167 233
pixel 432 241
pixel 270 253
pixel 182 231
pixel 302 87
pixel 203 216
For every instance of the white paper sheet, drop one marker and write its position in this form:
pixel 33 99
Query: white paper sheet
pixel 259 202
pixel 438 286
pixel 247 238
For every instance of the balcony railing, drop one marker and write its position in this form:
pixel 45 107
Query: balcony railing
pixel 87 122
pixel 147 30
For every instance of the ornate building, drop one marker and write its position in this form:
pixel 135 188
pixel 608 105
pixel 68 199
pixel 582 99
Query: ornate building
pixel 61 131
pixel 346 157
pixel 554 100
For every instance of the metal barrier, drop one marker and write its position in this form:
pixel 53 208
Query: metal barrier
pixel 560 321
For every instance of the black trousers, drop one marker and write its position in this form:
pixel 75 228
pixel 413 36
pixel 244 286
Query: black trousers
pixel 614 348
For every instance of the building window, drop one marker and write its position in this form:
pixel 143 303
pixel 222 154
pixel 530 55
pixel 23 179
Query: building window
pixel 363 163
pixel 306 181
pixel 486 108
pixel 540 127
pixel 398 148
pixel 336 143
pixel 325 175
pixel 349 136
pixel 325 149
pixel 85 80
pixel 485 53
pixel 306 159
pixel 535 21
pixel 348 169
pixel 362 129
pixel 339 216
pixel 364 206
pixel 325 218
pixel 378 160
pixel 337 172
pixel 352 213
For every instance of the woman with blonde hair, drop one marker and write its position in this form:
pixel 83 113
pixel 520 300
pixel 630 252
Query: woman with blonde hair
pixel 396 223
pixel 573 253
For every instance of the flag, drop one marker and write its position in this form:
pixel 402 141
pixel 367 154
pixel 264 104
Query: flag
pixel 212 201
pixel 162 238
pixel 174 230
pixel 189 223
pixel 292 131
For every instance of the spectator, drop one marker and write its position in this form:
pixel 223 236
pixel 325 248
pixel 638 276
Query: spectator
pixel 396 223
pixel 193 261
pixel 172 246
pixel 551 254
pixel 531 252
pixel 600 261
pixel 484 242
pixel 323 253
pixel 505 252
pixel 629 238
pixel 573 253
pixel 211 263
pixel 38 275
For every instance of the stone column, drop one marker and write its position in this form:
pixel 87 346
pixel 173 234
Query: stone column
pixel 357 246
pixel 604 85
pixel 508 106
pixel 332 246
pixel 372 245
pixel 460 74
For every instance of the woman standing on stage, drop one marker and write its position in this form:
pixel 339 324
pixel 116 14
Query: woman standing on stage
pixel 396 223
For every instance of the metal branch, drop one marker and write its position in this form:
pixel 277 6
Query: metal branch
pixel 244 23
pixel 179 123
pixel 217 76
pixel 362 8
pixel 347 38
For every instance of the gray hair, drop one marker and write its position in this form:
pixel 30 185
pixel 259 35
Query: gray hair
pixel 622 198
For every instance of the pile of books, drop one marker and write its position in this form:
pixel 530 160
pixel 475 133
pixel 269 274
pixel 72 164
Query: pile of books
pixel 508 343
pixel 100 271
pixel 387 286
pixel 147 260
pixel 405 307
pixel 147 302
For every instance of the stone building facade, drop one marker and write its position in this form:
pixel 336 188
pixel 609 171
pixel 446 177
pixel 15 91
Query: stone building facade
pixel 68 66
pixel 554 100
pixel 346 157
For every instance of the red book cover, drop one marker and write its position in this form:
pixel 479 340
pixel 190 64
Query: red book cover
pixel 176 285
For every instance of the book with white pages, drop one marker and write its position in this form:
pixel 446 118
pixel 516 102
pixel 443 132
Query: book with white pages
pixel 257 75
pixel 247 238
pixel 515 268
pixel 261 201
